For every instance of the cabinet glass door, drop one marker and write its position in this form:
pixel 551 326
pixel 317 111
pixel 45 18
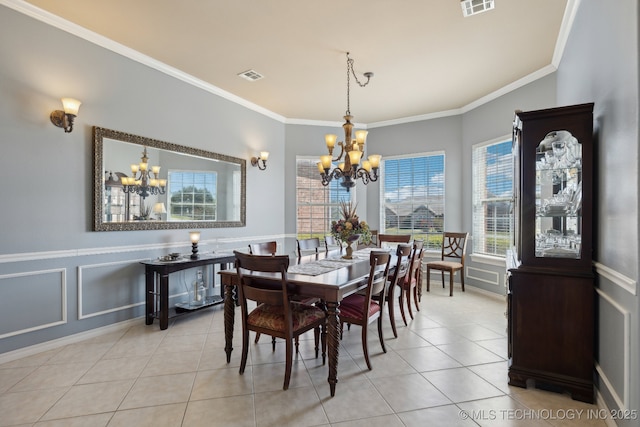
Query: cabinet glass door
pixel 559 196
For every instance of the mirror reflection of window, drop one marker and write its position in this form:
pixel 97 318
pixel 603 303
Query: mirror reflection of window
pixel 193 195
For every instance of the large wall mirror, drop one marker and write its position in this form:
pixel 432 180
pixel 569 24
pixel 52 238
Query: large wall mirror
pixel 146 184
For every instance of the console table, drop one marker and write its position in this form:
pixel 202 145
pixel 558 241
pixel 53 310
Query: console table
pixel 157 283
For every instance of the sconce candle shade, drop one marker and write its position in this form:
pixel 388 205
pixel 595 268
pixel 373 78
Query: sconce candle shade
pixel 261 161
pixel 64 119
pixel 71 106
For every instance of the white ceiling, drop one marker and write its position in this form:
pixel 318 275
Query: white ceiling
pixel 426 57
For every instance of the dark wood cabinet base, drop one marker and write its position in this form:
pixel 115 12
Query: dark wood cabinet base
pixel 578 389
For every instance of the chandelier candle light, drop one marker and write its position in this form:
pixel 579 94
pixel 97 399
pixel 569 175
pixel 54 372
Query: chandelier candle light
pixel 143 183
pixel 352 150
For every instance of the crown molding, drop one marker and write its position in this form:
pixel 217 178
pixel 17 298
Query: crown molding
pixel 92 37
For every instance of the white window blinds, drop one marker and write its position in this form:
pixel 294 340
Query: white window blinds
pixel 492 194
pixel 413 197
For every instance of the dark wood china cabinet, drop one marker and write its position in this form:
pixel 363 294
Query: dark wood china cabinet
pixel 550 275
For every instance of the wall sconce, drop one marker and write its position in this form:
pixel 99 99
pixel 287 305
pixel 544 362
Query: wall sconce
pixel 195 238
pixel 64 119
pixel 255 161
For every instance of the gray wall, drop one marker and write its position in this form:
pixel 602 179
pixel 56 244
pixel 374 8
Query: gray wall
pixel 600 65
pixel 49 255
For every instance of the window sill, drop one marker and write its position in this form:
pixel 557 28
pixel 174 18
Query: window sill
pixel 489 259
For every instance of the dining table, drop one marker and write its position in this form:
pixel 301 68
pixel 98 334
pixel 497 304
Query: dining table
pixel 326 276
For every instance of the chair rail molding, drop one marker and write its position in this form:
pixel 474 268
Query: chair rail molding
pixel 617 278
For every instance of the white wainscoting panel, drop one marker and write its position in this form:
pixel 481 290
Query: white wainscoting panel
pixel 61 273
pixel 623 402
pixel 482 275
pixel 81 284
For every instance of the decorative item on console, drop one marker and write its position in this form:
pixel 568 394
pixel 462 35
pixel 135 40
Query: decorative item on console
pixel 195 238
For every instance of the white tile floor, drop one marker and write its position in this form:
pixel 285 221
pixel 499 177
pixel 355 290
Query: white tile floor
pixel 447 368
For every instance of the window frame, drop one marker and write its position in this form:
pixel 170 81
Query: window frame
pixel 433 240
pixel 205 205
pixel 481 225
pixel 331 209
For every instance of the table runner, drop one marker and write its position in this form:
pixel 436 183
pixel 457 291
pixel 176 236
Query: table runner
pixel 315 268
pixel 321 266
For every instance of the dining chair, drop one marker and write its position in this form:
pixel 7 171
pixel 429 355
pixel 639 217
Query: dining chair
pixel 311 245
pixel 361 309
pixel 264 248
pixel 403 251
pixel 374 237
pixel 387 240
pixel 454 246
pixel 275 313
pixel 409 286
pixel 373 243
pixel 331 243
pixel 270 248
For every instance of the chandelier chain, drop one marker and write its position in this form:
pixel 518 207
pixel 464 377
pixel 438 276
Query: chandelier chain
pixel 350 70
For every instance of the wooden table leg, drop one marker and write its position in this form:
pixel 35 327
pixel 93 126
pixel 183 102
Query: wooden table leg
pixel 333 343
pixel 149 296
pixel 164 301
pixel 229 308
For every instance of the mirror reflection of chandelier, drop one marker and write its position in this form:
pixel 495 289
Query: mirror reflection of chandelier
pixel 353 167
pixel 142 182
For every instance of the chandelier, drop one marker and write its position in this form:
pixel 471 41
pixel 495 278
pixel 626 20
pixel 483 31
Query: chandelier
pixel 353 167
pixel 142 182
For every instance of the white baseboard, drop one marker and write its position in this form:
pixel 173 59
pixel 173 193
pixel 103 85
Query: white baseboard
pixel 71 339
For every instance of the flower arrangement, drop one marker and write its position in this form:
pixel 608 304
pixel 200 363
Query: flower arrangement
pixel 350 225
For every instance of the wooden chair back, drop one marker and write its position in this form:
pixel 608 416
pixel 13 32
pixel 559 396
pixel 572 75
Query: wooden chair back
pixel 393 238
pixel 263 291
pixel 378 274
pixel 264 248
pixel 374 238
pixel 308 245
pixel 417 254
pixel 411 282
pixel 403 252
pixel 331 242
pixel 454 245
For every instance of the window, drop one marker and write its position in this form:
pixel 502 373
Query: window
pixel 413 197
pixel 492 193
pixel 193 195
pixel 316 205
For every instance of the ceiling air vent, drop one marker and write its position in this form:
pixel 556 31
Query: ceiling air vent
pixel 251 75
pixel 473 7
